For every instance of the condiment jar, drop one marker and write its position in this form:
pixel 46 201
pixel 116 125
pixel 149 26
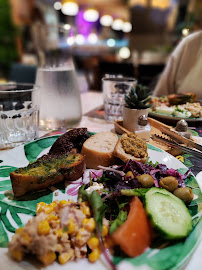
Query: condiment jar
pixel 143 128
pixel 182 129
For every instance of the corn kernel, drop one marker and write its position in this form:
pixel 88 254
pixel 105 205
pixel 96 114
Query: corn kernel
pixel 19 230
pixel 79 234
pixel 94 255
pixel 89 224
pixel 85 221
pixel 58 232
pixel 63 203
pixel 40 207
pixel 71 226
pixel 26 238
pixel 83 204
pixel 86 211
pixel 55 223
pixel 93 242
pixel 17 254
pixel 64 257
pixel 48 209
pixel 43 227
pixel 54 204
pixel 51 217
pixel 104 230
pixel 48 258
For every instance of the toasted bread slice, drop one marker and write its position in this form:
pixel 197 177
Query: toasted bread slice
pixel 129 146
pixel 46 171
pixel 99 148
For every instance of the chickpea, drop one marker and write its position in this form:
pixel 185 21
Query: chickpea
pixel 170 183
pixel 146 180
pixel 185 194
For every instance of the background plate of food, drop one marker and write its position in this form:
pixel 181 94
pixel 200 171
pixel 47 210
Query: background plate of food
pixel 176 107
pixel 17 211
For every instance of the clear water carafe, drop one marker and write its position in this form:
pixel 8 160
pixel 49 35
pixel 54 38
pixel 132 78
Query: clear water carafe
pixel 60 104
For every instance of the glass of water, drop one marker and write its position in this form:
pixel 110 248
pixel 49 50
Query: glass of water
pixel 59 99
pixel 114 88
pixel 19 118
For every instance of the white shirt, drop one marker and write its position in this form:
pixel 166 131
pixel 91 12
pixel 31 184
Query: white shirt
pixel 183 72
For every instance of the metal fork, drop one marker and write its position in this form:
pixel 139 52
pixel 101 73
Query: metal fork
pixel 197 154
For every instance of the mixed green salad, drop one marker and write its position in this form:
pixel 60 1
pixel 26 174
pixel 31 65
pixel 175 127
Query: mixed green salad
pixel 163 193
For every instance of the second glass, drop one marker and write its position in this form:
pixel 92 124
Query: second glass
pixel 59 90
pixel 114 89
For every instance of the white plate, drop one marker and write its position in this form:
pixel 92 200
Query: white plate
pixel 16 213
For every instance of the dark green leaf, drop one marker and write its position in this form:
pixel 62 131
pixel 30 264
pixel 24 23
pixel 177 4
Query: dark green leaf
pixel 140 192
pixel 121 218
pixel 98 207
pixel 95 202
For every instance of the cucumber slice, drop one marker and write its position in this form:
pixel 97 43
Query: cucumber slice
pixel 168 214
pixel 160 190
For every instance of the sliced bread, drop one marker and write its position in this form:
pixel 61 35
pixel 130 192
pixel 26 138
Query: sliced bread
pixel 129 146
pixel 47 171
pixel 99 149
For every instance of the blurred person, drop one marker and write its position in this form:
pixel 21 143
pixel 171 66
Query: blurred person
pixel 183 72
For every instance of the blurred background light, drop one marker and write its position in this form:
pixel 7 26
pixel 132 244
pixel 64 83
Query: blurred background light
pixel 106 20
pixel 91 15
pixel 124 53
pixel 70 41
pixel 66 26
pixel 161 4
pixel 80 39
pixel 70 8
pixel 127 27
pixel 185 32
pixel 117 24
pixel 92 38
pixel 111 42
pixel 57 5
pixel 139 2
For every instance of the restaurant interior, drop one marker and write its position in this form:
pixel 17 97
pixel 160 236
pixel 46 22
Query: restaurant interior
pixel 125 74
pixel 126 37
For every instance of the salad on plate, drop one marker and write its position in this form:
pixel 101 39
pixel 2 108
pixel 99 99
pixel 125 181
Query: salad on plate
pixel 128 212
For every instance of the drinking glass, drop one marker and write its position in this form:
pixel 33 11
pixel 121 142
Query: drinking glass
pixel 114 88
pixel 59 99
pixel 19 118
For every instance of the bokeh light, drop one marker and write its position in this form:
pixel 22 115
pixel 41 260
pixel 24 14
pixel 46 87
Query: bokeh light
pixel 106 20
pixel 57 5
pixel 127 27
pixel 92 38
pixel 70 8
pixel 70 41
pixel 80 39
pixel 111 42
pixel 117 24
pixel 91 15
pixel 185 32
pixel 124 53
pixel 67 26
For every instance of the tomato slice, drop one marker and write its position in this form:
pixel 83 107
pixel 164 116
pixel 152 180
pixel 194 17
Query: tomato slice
pixel 135 234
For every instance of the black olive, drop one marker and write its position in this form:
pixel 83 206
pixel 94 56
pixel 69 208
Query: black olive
pixel 113 176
